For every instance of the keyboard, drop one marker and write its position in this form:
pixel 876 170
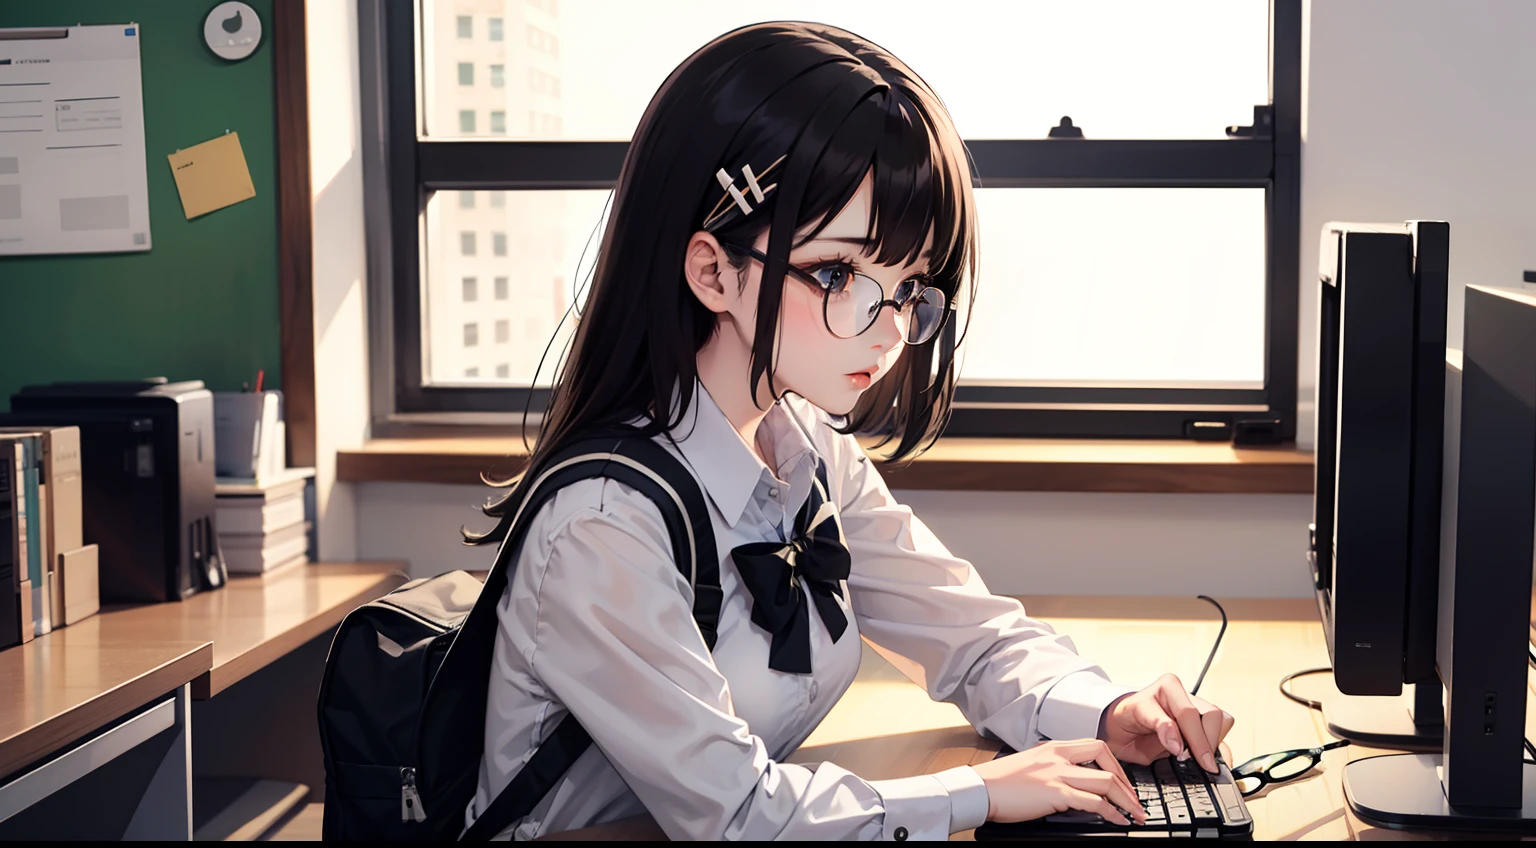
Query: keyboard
pixel 1180 800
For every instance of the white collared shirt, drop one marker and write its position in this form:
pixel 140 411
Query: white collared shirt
pixel 597 621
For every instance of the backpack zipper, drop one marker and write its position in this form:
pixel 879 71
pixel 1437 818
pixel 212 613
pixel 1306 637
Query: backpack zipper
pixel 410 801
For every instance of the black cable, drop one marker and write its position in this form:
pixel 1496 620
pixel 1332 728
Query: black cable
pixel 1305 702
pixel 1219 634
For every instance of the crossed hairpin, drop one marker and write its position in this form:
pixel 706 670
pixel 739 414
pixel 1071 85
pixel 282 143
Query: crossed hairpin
pixel 733 193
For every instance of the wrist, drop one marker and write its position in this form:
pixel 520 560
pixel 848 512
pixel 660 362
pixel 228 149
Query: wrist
pixel 1106 717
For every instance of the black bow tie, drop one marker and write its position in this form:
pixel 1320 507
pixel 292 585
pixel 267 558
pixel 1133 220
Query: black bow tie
pixel 779 573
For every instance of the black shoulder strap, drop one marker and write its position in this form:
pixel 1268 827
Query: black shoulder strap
pixel 647 467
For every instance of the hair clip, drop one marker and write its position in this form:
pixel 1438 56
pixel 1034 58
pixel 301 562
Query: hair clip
pixel 733 193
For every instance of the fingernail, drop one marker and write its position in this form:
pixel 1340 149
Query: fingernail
pixel 1209 761
pixel 1184 755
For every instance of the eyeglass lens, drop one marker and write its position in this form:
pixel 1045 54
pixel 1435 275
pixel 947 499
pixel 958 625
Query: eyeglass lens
pixel 854 309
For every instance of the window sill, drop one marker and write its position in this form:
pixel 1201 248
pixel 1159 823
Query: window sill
pixel 954 464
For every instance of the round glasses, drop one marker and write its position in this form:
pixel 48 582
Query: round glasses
pixel 851 302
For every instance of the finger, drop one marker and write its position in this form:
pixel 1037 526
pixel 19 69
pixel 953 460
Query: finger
pixel 1078 751
pixel 1151 714
pixel 1176 702
pixel 1214 720
pixel 1102 783
pixel 1109 764
pixel 1077 799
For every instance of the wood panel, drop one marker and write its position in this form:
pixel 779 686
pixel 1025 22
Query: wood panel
pixel 254 620
pixel 952 464
pixel 295 234
pixel 61 687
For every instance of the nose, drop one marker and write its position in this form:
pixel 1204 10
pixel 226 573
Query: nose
pixel 889 329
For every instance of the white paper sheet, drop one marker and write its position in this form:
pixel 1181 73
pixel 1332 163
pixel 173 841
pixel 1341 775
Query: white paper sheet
pixel 72 164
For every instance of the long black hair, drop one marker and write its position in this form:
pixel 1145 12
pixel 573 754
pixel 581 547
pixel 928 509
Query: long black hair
pixel 836 108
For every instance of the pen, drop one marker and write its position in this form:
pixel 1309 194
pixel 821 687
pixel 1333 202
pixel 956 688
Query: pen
pixel 260 375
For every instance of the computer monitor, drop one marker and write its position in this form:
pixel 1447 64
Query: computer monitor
pixel 1478 780
pixel 1374 546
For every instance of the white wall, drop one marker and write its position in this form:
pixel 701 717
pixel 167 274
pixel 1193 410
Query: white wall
pixel 1420 109
pixel 1020 542
pixel 1413 109
pixel 340 265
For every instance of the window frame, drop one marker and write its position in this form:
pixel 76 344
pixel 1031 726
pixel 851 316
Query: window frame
pixel 408 168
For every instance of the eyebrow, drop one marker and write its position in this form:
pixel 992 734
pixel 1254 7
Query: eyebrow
pixel 864 242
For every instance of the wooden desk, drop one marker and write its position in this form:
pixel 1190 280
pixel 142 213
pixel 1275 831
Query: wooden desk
pixel 58 690
pixel 886 727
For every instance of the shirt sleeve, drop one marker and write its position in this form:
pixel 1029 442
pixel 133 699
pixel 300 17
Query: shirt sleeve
pixel 617 645
pixel 930 614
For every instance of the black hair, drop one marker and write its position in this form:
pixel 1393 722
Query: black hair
pixel 837 108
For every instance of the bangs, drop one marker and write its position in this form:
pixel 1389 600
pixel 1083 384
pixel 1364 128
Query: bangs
pixel 919 182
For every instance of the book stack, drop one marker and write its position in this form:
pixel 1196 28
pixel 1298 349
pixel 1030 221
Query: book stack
pixel 264 524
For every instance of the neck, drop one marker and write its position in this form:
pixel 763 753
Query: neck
pixel 723 365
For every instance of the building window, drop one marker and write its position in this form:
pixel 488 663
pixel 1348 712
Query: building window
pixel 503 371
pixel 501 288
pixel 541 82
pixel 543 42
pixel 498 199
pixel 499 244
pixel 471 334
pixel 493 27
pixel 498 76
pixel 466 120
pixel 466 26
pixel 467 243
pixel 471 372
pixel 466 73
pixel 498 122
pixel 466 200
pixel 503 330
pixel 471 289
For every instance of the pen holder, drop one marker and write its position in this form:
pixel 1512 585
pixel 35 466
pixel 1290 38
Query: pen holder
pixel 247 434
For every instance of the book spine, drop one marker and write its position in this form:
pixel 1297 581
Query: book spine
pixel 10 582
pixel 42 618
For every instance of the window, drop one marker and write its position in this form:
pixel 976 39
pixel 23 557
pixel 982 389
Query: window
pixel 466 73
pixel 493 28
pixel 503 371
pixel 471 372
pixel 499 122
pixel 540 82
pixel 470 289
pixel 471 334
pixel 543 42
pixel 498 76
pixel 1072 338
pixel 466 26
pixel 499 244
pixel 466 244
pixel 466 121
pixel 466 200
pixel 503 330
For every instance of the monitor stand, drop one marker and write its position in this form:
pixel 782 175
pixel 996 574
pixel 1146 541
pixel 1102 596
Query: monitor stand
pixel 1405 790
pixel 1401 723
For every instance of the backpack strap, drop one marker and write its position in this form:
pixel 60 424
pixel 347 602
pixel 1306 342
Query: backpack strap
pixel 647 467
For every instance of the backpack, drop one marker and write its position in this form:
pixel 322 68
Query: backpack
pixel 403 697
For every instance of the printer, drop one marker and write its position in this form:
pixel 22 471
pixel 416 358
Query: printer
pixel 147 463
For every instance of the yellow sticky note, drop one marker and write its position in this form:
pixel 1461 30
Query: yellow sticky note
pixel 212 175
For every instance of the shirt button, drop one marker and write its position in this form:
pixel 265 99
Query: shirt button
pixel 901 834
pixel 773 493
pixel 813 690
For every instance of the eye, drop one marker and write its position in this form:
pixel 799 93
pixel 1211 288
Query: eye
pixel 833 277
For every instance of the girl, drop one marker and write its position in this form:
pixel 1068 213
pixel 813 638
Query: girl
pixel 791 229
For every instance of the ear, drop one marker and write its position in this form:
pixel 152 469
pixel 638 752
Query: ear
pixel 710 276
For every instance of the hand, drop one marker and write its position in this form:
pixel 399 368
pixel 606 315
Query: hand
pixel 1048 779
pixel 1164 719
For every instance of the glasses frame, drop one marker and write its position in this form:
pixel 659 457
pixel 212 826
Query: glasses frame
pixel 1252 769
pixel 945 307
